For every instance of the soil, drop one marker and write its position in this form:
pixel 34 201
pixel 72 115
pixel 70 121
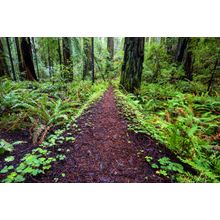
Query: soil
pixel 104 150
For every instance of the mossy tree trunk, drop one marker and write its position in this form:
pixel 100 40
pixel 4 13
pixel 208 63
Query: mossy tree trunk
pixel 110 56
pixel 87 59
pixel 27 59
pixel 18 49
pixel 188 60
pixel 110 47
pixel 93 57
pixel 35 56
pixel 68 75
pixel 132 64
pixel 184 55
pixel 181 48
pixel 3 64
pixel 10 57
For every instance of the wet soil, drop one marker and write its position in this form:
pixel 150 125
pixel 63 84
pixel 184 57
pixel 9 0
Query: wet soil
pixel 105 151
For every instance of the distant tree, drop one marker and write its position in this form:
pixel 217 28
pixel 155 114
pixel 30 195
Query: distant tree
pixel 87 58
pixel 27 59
pixel 67 58
pixel 11 59
pixel 49 57
pixel 188 60
pixel 18 49
pixel 184 55
pixel 35 56
pixel 110 47
pixel 110 56
pixel 93 57
pixel 3 64
pixel 181 48
pixel 59 51
pixel 133 63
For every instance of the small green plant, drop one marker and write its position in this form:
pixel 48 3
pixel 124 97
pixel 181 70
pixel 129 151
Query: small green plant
pixel 61 157
pixel 154 166
pixel 9 159
pixel 6 169
pixel 5 146
pixel 148 159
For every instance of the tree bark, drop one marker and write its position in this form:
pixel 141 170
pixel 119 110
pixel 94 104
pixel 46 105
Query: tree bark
pixel 181 47
pixel 213 74
pixel 132 64
pixel 10 57
pixel 93 66
pixel 27 59
pixel 68 75
pixel 87 60
pixel 66 51
pixel 59 50
pixel 110 47
pixel 3 64
pixel 35 55
pixel 188 61
pixel 20 64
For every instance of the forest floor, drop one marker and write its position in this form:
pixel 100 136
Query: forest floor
pixel 104 150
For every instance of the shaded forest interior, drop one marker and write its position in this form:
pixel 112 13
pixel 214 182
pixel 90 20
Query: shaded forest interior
pixel 165 89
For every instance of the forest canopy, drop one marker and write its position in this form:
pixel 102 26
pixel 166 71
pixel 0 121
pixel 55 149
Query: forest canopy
pixel 166 88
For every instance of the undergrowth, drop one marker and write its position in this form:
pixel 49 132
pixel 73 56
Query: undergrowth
pixel 48 111
pixel 186 122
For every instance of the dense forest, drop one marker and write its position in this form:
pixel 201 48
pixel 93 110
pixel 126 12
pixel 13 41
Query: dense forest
pixel 107 109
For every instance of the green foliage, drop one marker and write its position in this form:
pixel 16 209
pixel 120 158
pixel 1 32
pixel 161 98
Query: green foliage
pixel 186 122
pixel 5 146
pixel 9 158
pixel 34 163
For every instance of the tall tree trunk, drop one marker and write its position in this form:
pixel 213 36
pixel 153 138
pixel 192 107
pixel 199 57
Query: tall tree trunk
pixel 133 63
pixel 3 64
pixel 35 55
pixel 28 59
pixel 59 51
pixel 213 74
pixel 110 47
pixel 20 64
pixel 49 63
pixel 67 58
pixel 93 66
pixel 188 60
pixel 10 57
pixel 87 59
pixel 181 47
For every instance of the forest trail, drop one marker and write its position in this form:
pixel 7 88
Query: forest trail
pixel 105 151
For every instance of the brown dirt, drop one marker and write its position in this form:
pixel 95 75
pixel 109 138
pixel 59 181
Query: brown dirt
pixel 105 151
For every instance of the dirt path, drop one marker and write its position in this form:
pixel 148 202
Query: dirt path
pixel 105 151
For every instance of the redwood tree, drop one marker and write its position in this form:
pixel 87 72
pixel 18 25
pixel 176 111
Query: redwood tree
pixel 20 63
pixel 110 56
pixel 67 58
pixel 10 57
pixel 184 55
pixel 132 64
pixel 27 59
pixel 110 47
pixel 93 57
pixel 3 64
pixel 87 59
